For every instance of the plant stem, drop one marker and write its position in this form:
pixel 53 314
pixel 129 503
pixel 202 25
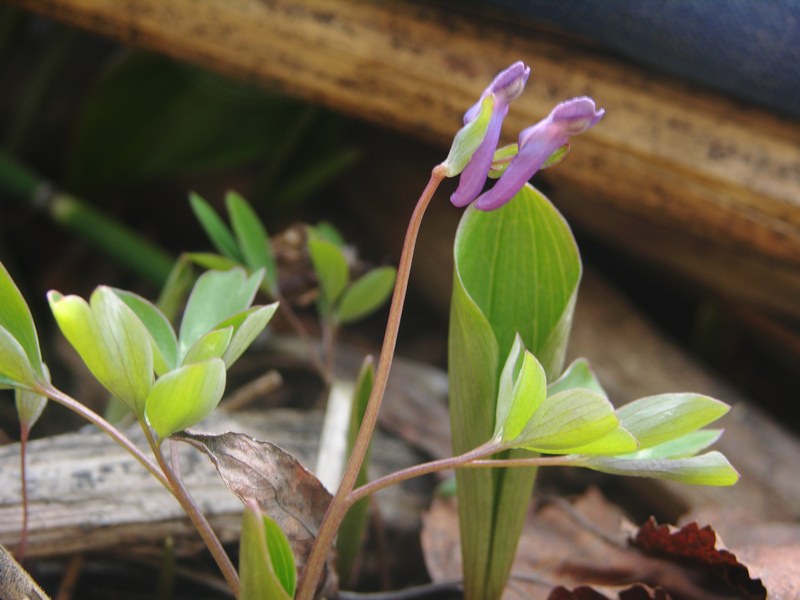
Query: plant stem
pixel 64 400
pixel 443 464
pixel 194 513
pixel 338 506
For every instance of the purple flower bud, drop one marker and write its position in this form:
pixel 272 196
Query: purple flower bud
pixel 505 87
pixel 536 144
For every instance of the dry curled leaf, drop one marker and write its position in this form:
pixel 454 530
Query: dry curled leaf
pixel 284 489
pixel 697 546
pixel 583 548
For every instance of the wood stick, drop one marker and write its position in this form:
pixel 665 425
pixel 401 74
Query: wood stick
pixel 670 154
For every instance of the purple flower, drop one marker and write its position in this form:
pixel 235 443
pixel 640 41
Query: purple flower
pixel 505 87
pixel 536 144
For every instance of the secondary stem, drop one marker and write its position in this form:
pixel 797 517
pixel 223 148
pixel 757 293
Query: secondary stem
pixel 194 513
pixel 339 505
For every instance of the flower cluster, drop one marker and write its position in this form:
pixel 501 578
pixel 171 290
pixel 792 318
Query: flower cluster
pixel 538 146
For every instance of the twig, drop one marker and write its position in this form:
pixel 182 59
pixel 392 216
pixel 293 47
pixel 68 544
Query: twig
pixel 252 390
pixel 71 575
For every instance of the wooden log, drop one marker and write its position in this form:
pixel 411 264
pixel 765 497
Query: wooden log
pixel 87 494
pixel 684 163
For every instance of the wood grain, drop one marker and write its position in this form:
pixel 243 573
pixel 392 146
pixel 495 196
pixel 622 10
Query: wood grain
pixel 693 164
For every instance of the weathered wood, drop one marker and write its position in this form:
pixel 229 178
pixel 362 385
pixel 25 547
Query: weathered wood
pixel 683 162
pixel 87 494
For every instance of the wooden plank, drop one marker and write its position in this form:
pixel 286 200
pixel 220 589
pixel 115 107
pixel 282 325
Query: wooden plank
pixel 704 168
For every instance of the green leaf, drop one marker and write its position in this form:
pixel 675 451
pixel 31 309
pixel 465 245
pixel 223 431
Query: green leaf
pixel 682 447
pixel 657 419
pixel 266 563
pixel 215 228
pixel 366 295
pixel 184 397
pixel 280 553
pixel 711 468
pixel 577 375
pixel 15 368
pixel 164 342
pixel 330 266
pixel 469 138
pixel 245 332
pixel 30 405
pixel 216 296
pixel 253 239
pixel 568 420
pixel 211 261
pixel 520 265
pixel 111 340
pixel 527 395
pixel 516 271
pixel 618 441
pixel 16 319
pixel 501 159
pixel 351 531
pixel 211 345
pixel 327 231
pixel 176 288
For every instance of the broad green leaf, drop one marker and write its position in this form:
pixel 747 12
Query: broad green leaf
pixel 469 138
pixel 211 345
pixel 473 363
pixel 215 228
pixel 657 419
pixel 245 332
pixel 330 266
pixel 530 390
pixel 184 397
pixel 520 265
pixel 111 340
pixel 165 344
pixel 366 294
pixel 711 468
pixel 686 445
pixel 15 368
pixel 16 319
pixel 518 268
pixel 258 568
pixel 568 420
pixel 253 239
pixel 577 375
pixel 216 296
pixel 212 262
pixel 351 531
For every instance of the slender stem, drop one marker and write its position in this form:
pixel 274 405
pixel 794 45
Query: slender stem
pixel 23 473
pixel 434 466
pixel 338 506
pixel 196 515
pixel 64 400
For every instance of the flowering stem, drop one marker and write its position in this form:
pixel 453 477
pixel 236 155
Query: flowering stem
pixel 339 505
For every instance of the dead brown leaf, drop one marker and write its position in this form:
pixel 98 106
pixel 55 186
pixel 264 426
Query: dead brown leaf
pixel 585 548
pixel 283 488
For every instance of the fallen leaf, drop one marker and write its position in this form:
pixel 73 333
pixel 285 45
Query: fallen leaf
pixel 697 546
pixel 283 488
pixel 584 547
